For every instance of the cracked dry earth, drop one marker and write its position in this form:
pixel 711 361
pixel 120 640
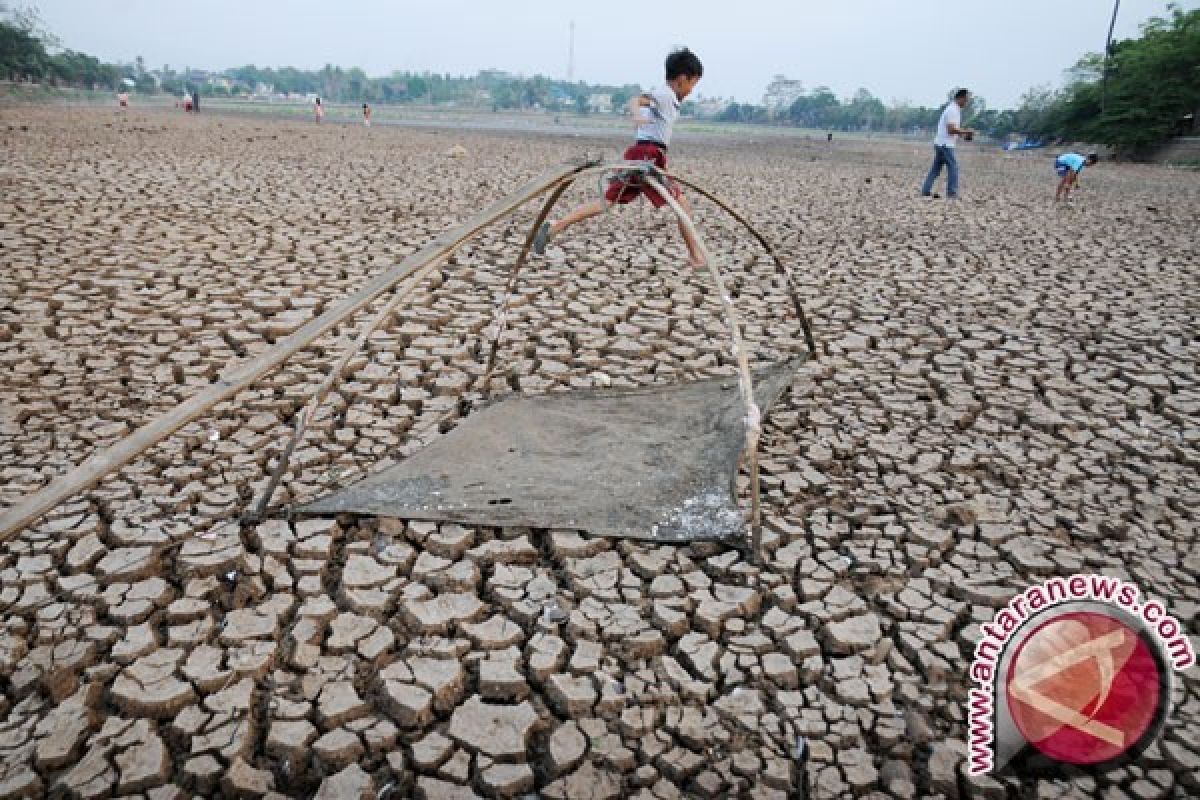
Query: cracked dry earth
pixel 1006 391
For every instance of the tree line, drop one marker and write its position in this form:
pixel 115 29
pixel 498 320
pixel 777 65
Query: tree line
pixel 499 90
pixel 821 108
pixel 1146 89
pixel 28 52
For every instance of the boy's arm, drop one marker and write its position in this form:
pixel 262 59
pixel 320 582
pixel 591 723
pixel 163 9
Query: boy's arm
pixel 636 104
pixel 640 101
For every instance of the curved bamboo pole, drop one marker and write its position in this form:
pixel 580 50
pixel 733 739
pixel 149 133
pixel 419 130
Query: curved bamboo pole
pixel 93 469
pixel 305 418
pixel 779 265
pixel 501 320
pixel 640 166
pixel 745 381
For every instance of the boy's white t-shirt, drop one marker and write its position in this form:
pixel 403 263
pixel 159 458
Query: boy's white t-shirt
pixel 951 115
pixel 658 120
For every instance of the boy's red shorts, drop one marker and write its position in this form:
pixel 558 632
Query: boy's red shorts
pixel 626 190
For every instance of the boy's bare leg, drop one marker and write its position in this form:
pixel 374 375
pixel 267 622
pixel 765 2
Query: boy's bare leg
pixel 695 258
pixel 1064 188
pixel 547 231
pixel 579 214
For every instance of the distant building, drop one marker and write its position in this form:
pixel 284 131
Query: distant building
pixel 711 106
pixel 781 93
pixel 496 75
pixel 600 103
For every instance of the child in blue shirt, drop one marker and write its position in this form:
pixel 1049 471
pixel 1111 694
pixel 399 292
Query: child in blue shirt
pixel 1068 166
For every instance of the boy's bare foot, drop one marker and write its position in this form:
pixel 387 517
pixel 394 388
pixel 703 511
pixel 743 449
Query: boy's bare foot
pixel 695 262
pixel 539 241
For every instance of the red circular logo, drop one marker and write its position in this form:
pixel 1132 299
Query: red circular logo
pixel 1084 688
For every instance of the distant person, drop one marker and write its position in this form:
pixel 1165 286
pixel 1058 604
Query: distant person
pixel 320 111
pixel 949 126
pixel 187 101
pixel 655 114
pixel 829 138
pixel 1069 166
pixel 196 100
pixel 123 99
pixel 366 115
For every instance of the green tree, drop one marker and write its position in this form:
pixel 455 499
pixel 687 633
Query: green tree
pixel 816 109
pixel 622 96
pixel 865 110
pixel 743 112
pixel 1152 83
pixel 23 44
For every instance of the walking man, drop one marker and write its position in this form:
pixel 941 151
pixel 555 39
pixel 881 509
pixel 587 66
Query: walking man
pixel 949 126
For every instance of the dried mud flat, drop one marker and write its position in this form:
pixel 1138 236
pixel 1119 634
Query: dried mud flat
pixel 1006 391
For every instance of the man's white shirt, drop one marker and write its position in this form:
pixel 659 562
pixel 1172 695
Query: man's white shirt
pixel 951 115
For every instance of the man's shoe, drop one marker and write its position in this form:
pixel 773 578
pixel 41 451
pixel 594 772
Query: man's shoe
pixel 543 236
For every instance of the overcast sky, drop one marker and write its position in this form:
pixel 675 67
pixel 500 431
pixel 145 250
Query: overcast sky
pixel 914 50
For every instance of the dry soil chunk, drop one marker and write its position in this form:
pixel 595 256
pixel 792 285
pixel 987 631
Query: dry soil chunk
pixel 854 634
pixel 500 731
pixel 349 784
pixel 150 687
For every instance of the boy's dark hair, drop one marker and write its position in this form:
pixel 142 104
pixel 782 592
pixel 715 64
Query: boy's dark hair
pixel 961 93
pixel 683 62
pixel 1092 158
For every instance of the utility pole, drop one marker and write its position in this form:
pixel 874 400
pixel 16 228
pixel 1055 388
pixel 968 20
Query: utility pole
pixel 571 55
pixel 1107 54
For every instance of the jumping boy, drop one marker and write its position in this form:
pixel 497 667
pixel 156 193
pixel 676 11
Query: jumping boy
pixel 1069 166
pixel 655 114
